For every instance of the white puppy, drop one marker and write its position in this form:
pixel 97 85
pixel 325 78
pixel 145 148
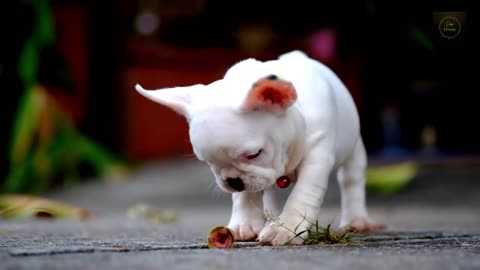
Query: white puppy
pixel 287 117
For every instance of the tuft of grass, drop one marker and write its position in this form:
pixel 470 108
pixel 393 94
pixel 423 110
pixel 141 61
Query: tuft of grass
pixel 317 234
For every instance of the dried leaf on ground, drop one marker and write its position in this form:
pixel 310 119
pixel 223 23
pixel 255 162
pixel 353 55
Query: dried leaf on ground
pixel 27 206
pixel 145 211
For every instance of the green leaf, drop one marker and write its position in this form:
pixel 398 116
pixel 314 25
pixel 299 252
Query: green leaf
pixel 28 64
pixel 19 179
pixel 43 34
pixel 25 126
pixel 45 25
pixel 104 162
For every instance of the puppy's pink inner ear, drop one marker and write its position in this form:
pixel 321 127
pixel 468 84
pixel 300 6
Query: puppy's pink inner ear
pixel 273 94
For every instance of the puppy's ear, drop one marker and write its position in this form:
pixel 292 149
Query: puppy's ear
pixel 270 94
pixel 178 99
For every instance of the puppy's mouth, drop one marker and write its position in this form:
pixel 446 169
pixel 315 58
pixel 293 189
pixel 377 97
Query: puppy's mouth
pixel 230 190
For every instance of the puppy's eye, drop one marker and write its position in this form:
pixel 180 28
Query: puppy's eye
pixel 250 157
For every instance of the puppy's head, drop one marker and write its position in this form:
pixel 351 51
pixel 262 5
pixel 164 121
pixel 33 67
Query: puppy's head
pixel 239 125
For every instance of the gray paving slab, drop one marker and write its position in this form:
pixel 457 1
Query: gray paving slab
pixel 433 224
pixel 417 251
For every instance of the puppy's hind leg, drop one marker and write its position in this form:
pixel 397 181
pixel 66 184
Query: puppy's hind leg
pixel 351 179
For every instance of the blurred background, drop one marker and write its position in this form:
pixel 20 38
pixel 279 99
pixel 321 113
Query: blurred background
pixel 68 69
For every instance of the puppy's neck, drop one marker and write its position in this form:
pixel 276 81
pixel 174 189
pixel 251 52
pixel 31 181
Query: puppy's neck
pixel 296 149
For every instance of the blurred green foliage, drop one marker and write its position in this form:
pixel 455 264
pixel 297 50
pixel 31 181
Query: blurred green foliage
pixel 390 178
pixel 44 143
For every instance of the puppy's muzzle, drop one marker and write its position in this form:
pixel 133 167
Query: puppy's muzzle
pixel 236 183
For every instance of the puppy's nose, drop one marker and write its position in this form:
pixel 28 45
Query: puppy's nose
pixel 236 183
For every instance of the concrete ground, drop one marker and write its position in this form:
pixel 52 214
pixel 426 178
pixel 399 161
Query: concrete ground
pixel 434 223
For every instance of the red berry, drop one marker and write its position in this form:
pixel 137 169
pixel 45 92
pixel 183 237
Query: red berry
pixel 283 182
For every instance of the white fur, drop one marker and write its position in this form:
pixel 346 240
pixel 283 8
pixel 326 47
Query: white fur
pixel 317 135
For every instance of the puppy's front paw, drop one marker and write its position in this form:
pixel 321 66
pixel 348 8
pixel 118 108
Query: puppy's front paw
pixel 281 233
pixel 362 224
pixel 246 229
